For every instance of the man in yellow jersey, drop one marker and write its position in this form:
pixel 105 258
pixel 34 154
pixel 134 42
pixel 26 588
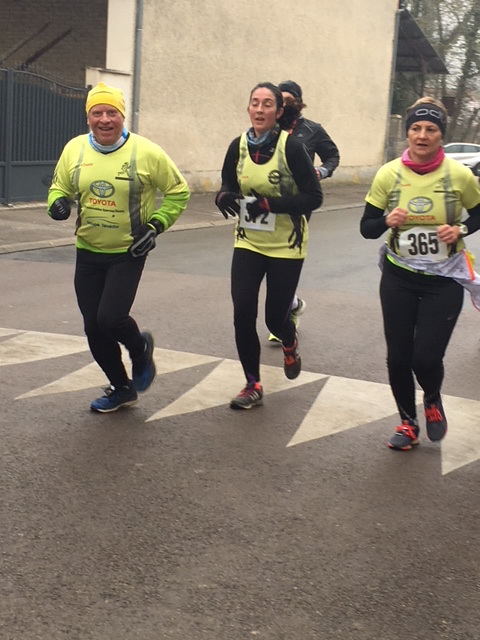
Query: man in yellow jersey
pixel 115 175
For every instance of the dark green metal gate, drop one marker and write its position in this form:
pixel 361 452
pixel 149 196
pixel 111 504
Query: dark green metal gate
pixel 37 117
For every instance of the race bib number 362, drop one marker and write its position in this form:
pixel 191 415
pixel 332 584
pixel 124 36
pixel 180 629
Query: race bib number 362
pixel 264 222
pixel 422 242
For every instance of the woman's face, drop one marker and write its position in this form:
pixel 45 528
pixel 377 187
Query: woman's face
pixel 424 139
pixel 106 123
pixel 263 110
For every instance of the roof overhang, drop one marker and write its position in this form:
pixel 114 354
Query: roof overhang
pixel 415 54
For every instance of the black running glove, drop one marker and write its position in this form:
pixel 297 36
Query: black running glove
pixel 227 202
pixel 60 209
pixel 144 238
pixel 259 207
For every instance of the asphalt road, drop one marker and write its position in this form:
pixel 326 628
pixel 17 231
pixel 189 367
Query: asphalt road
pixel 179 519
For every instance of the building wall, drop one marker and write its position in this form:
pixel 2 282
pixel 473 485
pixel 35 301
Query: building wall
pixel 200 61
pixel 85 45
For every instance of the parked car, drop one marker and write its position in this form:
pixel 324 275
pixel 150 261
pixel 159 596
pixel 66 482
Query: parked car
pixel 473 163
pixel 467 153
pixel 461 150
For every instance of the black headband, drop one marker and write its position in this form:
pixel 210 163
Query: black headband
pixel 426 111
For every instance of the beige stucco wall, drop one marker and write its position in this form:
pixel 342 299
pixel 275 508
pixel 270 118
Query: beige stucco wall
pixel 120 52
pixel 200 60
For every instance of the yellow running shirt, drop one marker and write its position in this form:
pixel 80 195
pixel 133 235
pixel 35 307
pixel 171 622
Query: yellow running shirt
pixel 116 191
pixel 431 200
pixel 271 233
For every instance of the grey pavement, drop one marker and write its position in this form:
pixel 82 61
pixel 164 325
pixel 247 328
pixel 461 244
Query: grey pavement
pixel 179 519
pixel 26 226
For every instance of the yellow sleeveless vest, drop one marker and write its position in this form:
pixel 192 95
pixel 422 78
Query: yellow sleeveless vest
pixel 271 234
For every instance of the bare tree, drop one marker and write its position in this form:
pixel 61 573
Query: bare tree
pixel 453 28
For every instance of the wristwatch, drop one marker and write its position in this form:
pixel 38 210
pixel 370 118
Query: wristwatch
pixel 463 230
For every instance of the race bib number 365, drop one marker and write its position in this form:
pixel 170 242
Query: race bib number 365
pixel 422 242
pixel 264 222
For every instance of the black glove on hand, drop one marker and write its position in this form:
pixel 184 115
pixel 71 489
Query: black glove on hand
pixel 259 207
pixel 60 209
pixel 143 240
pixel 227 202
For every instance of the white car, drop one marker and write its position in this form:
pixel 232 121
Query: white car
pixel 467 153
pixel 473 163
pixel 461 150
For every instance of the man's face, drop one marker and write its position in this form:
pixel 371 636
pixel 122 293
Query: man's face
pixel 288 98
pixel 106 123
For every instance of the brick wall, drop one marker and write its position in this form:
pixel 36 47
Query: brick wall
pixel 84 46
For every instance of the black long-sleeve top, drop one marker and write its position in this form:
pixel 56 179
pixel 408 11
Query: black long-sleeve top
pixel 310 194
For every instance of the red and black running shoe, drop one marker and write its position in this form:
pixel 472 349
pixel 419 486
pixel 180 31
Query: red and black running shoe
pixel 249 397
pixel 405 436
pixel 436 420
pixel 292 363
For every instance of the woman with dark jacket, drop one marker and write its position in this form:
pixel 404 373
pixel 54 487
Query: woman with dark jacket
pixel 269 182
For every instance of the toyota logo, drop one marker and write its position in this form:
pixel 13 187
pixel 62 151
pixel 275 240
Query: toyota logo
pixel 102 188
pixel 420 205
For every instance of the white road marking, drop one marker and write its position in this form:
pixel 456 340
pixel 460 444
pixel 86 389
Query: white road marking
pixel 371 401
pixel 342 403
pixel 91 375
pixel 461 445
pixel 32 345
pixel 8 332
pixel 224 382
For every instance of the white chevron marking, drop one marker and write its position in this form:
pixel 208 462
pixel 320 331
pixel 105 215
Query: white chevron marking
pixel 224 382
pixel 8 332
pixel 91 375
pixel 32 345
pixel 461 445
pixel 342 404
pixel 371 401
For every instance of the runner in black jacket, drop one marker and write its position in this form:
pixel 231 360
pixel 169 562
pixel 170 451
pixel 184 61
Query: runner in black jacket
pixel 316 141
pixel 314 137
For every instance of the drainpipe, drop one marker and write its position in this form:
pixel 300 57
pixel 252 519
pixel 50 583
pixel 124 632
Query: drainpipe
pixel 137 65
pixel 392 77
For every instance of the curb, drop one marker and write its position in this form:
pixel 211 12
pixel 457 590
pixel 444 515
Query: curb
pixel 64 242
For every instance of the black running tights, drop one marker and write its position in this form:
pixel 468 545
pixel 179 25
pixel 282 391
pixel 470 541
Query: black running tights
pixel 248 271
pixel 419 315
pixel 106 285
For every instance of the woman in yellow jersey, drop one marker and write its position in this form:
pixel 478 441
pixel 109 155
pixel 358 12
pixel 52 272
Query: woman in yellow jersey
pixel 424 263
pixel 115 175
pixel 269 182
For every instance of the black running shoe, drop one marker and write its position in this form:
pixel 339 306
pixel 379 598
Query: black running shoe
pixel 115 398
pixel 143 367
pixel 436 420
pixel 292 363
pixel 249 397
pixel 405 436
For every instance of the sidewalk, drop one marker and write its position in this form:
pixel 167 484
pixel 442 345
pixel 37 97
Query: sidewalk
pixel 26 226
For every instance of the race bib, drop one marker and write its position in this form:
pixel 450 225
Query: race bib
pixel 264 222
pixel 422 242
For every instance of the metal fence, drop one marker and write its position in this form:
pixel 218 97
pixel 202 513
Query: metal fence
pixel 38 116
